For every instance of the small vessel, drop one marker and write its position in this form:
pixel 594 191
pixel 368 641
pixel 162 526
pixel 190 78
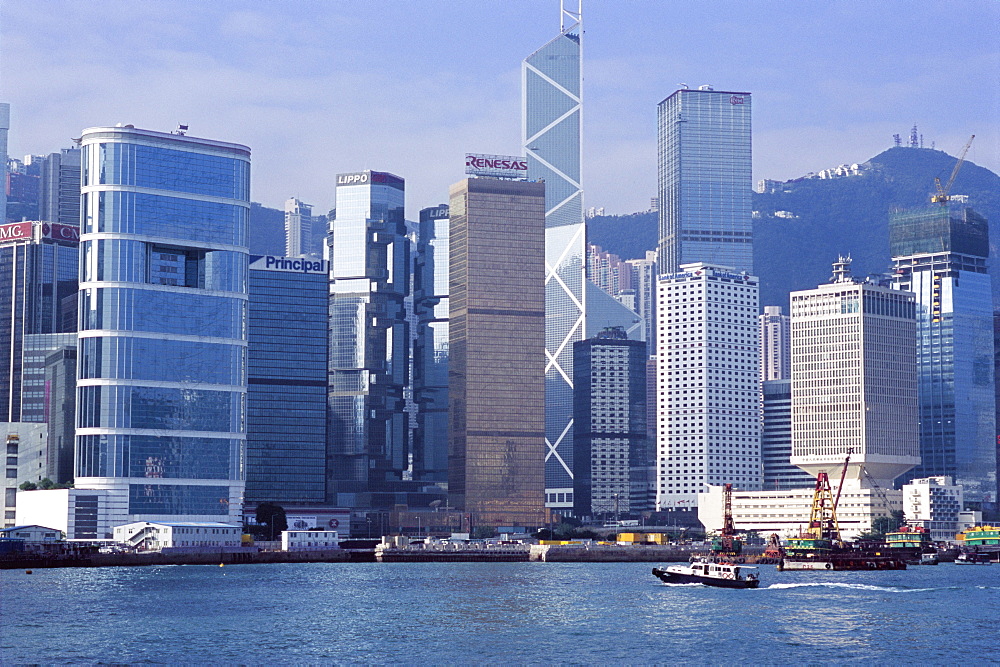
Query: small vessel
pixel 929 558
pixel 974 558
pixel 709 573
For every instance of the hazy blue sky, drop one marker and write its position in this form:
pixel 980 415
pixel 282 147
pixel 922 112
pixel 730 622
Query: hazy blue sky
pixel 317 88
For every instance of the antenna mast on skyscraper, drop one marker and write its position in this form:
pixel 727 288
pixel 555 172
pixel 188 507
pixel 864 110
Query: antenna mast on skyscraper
pixel 570 20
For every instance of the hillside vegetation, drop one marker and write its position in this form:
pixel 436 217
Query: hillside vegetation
pixel 843 216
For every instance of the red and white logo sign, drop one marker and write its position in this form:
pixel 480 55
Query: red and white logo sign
pixel 18 231
pixel 60 232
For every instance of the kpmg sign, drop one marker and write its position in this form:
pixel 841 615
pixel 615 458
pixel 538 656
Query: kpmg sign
pixel 288 264
pixel 497 166
pixel 49 231
pixel 18 231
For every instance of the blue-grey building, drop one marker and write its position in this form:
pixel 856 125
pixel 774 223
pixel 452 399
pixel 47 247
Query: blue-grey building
pixel 287 380
pixel 369 346
pixel 431 346
pixel 776 439
pixel 612 458
pixel 551 90
pixel 705 180
pixel 161 396
pixel 940 254
pixel 39 263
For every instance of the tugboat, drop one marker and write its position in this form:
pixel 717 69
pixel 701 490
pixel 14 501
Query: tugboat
pixel 709 573
pixel 820 546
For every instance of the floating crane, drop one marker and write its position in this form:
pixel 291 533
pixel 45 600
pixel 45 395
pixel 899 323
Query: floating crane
pixel 942 195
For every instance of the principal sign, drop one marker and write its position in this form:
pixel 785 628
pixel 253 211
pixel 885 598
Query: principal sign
pixel 497 166
pixel 288 264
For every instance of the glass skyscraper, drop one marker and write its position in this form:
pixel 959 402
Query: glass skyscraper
pixel 552 88
pixel 497 328
pixel 705 181
pixel 161 390
pixel 38 287
pixel 369 355
pixel 940 254
pixel 286 378
pixel 430 353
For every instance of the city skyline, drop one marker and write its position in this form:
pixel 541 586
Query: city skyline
pixel 819 101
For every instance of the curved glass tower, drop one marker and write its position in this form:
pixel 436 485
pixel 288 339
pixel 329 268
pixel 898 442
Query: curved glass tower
pixel 163 307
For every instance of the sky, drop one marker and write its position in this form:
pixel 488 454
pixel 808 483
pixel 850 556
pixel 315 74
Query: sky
pixel 409 86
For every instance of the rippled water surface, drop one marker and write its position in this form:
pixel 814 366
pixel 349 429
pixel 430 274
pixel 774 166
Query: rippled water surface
pixel 503 612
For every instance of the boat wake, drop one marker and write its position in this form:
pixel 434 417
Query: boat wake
pixel 858 587
pixel 684 585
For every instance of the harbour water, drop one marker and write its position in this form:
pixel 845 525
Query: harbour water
pixel 491 613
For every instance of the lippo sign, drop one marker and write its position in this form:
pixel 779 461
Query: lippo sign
pixel 498 166
pixel 18 231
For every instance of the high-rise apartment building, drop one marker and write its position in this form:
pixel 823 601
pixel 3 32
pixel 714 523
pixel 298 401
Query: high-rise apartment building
pixel 608 271
pixel 298 228
pixel 287 380
pixel 708 428
pixel 551 94
pixel 854 379
pixel 367 430
pixel 38 295
pixel 611 461
pixel 431 346
pixel 59 191
pixel 940 254
pixel 161 394
pixel 775 345
pixel 497 361
pixel 644 273
pixel 705 182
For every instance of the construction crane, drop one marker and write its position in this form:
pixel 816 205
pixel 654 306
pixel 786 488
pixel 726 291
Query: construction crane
pixel 942 195
pixel 727 543
pixel 823 523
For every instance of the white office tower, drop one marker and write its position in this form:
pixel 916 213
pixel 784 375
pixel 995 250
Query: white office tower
pixel 644 272
pixel 4 126
pixel 854 380
pixel 708 430
pixel 298 228
pixel 775 345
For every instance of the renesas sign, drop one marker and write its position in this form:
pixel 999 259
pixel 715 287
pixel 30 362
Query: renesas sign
pixel 288 264
pixel 498 166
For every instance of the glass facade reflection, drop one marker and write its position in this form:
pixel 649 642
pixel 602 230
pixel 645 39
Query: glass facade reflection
pixel 38 286
pixel 940 254
pixel 705 182
pixel 367 429
pixel 551 90
pixel 497 331
pixel 431 346
pixel 163 319
pixel 286 392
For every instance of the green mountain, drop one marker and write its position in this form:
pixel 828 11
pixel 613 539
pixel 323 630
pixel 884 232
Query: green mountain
pixel 830 217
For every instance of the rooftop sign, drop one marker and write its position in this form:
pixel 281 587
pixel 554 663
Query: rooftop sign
pixel 288 264
pixel 496 166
